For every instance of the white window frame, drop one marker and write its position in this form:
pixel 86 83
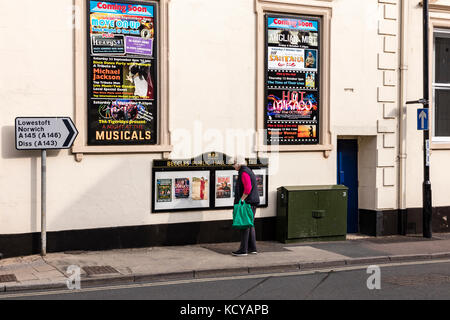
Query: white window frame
pixel 438 86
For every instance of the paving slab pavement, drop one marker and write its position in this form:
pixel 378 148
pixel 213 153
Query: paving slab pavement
pixel 214 260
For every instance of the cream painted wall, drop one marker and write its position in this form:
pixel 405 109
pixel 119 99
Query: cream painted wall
pixel 212 74
pixel 354 76
pixel 210 102
pixel 440 173
pixel 367 172
pixel 207 97
pixel 37 80
pixel 223 107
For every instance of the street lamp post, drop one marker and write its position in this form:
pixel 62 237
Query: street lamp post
pixel 426 187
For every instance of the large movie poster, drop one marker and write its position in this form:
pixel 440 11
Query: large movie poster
pixel 292 102
pixel 122 94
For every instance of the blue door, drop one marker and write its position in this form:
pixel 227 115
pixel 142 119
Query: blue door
pixel 347 175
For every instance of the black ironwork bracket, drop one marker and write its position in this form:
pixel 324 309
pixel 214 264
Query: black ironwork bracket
pixel 420 101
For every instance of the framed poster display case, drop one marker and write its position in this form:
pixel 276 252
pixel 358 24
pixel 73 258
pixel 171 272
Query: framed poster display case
pixel 206 182
pixel 122 63
pixel 281 128
pixel 292 79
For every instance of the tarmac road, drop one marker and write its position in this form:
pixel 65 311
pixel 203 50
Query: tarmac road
pixel 413 280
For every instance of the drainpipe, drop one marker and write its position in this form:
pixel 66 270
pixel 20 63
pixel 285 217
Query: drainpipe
pixel 402 155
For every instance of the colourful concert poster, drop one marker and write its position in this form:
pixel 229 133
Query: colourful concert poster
pixel 122 73
pixel 181 188
pixel 121 28
pixel 286 59
pixel 292 94
pixel 164 190
pixel 124 78
pixel 223 187
pixel 291 105
pixel 292 38
pixel 293 132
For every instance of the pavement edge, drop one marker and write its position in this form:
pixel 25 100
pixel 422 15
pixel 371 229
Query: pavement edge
pixel 226 272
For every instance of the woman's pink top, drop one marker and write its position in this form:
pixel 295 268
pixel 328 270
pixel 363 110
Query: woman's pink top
pixel 247 183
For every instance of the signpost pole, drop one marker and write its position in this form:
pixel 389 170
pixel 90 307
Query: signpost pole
pixel 427 202
pixel 422 124
pixel 43 202
pixel 42 133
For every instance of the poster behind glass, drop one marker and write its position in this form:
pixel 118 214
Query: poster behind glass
pixel 181 190
pixel 292 100
pixel 122 72
pixel 226 185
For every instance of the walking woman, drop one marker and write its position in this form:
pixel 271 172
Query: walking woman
pixel 246 189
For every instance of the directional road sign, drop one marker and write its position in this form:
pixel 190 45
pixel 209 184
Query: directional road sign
pixel 422 119
pixel 44 133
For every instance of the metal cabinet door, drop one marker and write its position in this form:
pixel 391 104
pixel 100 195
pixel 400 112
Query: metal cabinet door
pixel 331 214
pixel 301 223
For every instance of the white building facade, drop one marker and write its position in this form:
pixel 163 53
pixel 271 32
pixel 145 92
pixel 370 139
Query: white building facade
pixel 209 92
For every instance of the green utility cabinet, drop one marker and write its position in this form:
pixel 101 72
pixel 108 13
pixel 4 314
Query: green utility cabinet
pixel 311 213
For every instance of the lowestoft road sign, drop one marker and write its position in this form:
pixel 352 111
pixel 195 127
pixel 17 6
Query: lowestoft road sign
pixel 36 133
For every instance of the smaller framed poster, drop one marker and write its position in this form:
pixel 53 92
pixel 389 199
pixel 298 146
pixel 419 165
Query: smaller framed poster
pixel 181 190
pixel 164 190
pixel 262 184
pixel 225 187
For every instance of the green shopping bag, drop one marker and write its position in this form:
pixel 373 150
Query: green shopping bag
pixel 242 215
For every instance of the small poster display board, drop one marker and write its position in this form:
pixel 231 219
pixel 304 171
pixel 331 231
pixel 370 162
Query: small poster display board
pixel 207 182
pixel 181 190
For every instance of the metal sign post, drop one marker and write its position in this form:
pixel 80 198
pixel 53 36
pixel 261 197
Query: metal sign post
pixel 38 133
pixel 422 117
pixel 44 202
